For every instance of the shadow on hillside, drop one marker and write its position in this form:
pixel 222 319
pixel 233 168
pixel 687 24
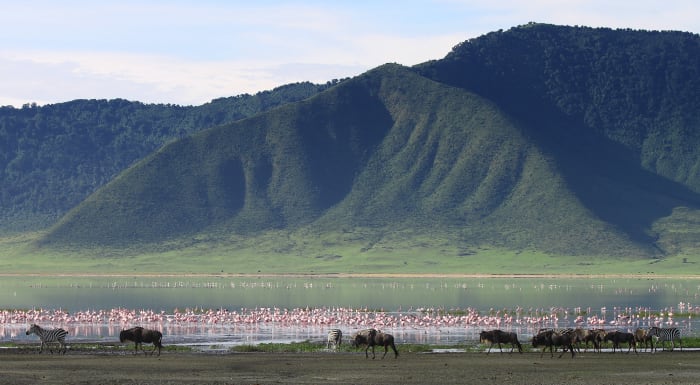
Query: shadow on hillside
pixel 606 176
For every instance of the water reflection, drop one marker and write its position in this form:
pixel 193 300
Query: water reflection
pixel 249 311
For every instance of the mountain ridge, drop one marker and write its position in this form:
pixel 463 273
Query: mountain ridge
pixel 526 139
pixel 414 180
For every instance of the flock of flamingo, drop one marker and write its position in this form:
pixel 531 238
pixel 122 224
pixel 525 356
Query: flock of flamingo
pixel 429 320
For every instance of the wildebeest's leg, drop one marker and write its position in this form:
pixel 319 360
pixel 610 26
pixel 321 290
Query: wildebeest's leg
pixel 366 349
pixel 155 346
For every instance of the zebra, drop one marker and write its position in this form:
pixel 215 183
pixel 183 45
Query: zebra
pixel 48 336
pixel 335 338
pixel 666 334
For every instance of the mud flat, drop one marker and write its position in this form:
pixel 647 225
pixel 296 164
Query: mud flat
pixel 25 366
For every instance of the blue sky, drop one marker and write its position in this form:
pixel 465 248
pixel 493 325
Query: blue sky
pixel 191 51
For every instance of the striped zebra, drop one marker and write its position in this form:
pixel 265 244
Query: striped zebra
pixel 665 334
pixel 48 336
pixel 335 337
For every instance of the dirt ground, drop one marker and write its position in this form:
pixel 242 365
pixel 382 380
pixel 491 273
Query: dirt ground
pixel 28 367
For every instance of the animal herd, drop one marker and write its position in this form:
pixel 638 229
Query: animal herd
pixel 569 340
pixel 137 335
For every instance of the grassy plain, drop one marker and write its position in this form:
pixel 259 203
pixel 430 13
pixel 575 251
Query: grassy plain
pixel 284 253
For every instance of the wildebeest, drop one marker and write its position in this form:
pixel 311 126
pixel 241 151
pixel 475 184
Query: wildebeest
pixel 643 338
pixel 377 338
pixel 139 335
pixel 595 336
pixel 360 338
pixel 618 337
pixel 552 339
pixel 500 337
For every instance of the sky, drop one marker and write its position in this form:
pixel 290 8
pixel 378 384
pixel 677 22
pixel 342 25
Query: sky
pixel 189 52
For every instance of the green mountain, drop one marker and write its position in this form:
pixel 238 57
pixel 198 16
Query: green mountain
pixel 54 156
pixel 563 140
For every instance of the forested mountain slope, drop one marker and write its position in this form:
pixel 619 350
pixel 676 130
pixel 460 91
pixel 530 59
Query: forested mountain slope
pixel 566 140
pixel 54 156
pixel 617 110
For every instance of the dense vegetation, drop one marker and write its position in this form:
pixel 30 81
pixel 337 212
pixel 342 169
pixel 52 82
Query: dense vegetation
pixel 541 139
pixel 636 90
pixel 617 110
pixel 54 156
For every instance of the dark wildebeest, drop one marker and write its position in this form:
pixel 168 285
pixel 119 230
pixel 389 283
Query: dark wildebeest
pixel 618 337
pixel 552 339
pixel 595 336
pixel 500 337
pixel 643 338
pixel 360 338
pixel 376 338
pixel 139 335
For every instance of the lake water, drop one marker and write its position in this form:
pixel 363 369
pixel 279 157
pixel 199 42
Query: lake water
pixel 224 310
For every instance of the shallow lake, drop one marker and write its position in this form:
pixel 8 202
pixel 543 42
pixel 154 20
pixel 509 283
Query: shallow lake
pixel 246 310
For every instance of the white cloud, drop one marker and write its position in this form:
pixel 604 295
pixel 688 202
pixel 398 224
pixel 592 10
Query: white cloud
pixel 189 52
pixel 66 76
